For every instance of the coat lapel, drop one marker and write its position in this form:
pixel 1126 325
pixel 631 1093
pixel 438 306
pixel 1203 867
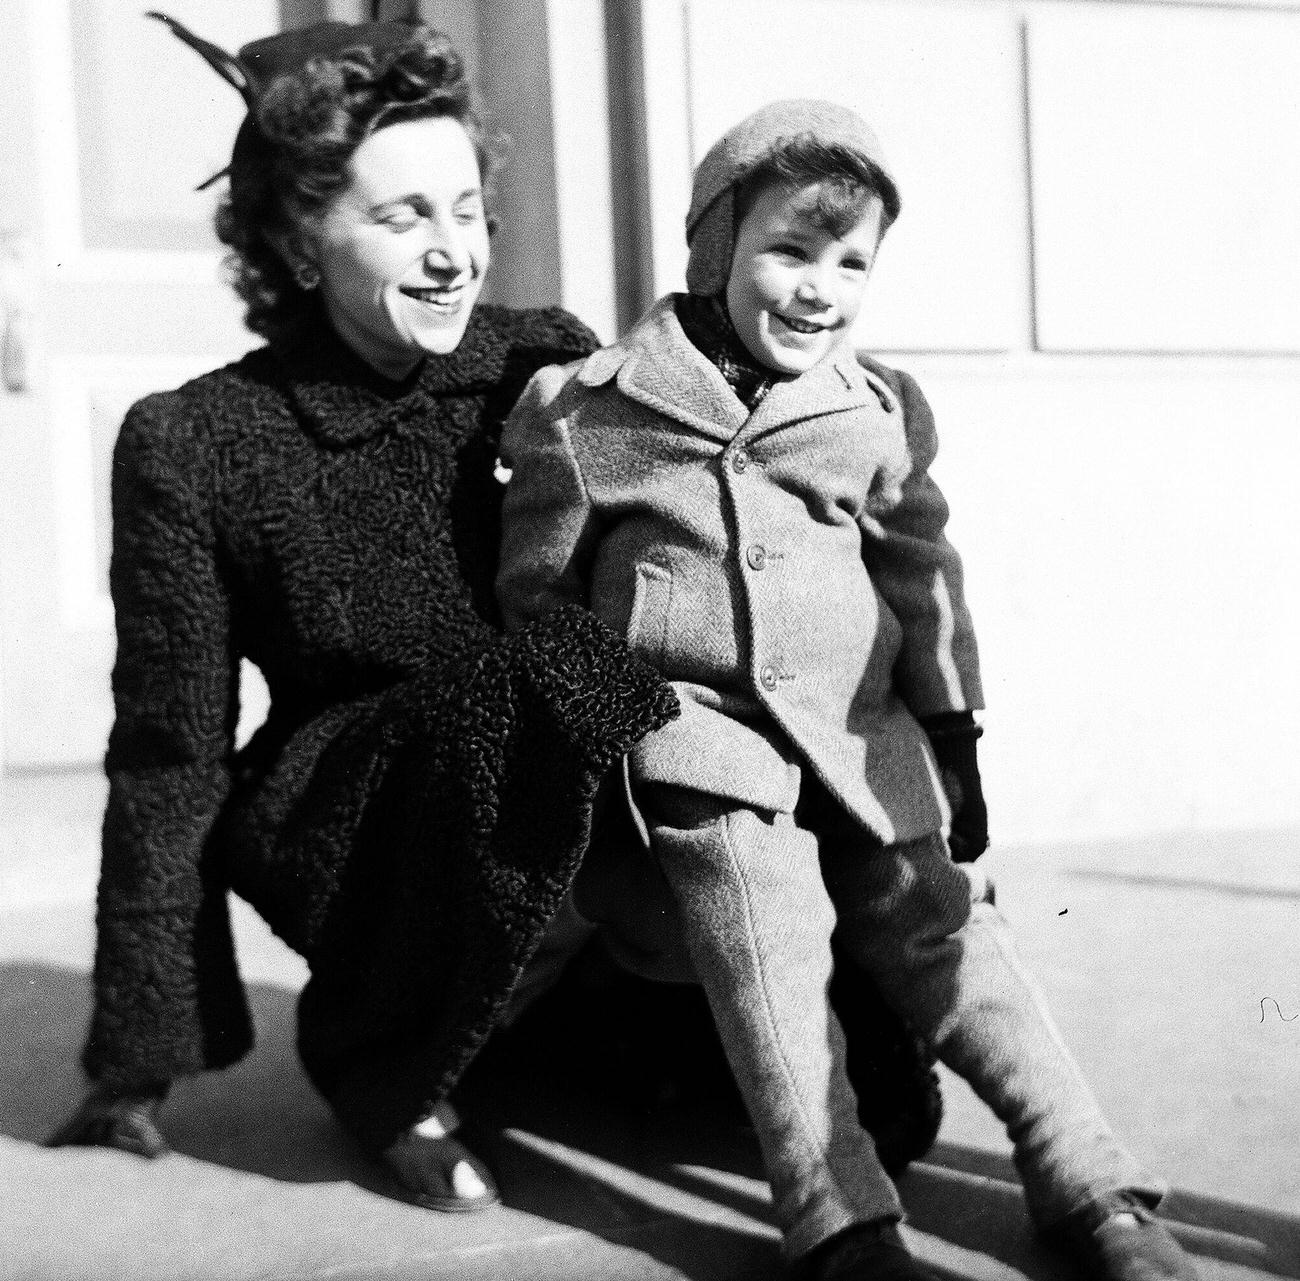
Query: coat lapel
pixel 657 366
pixel 831 387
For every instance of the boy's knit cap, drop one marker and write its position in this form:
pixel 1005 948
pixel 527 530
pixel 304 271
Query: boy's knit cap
pixel 710 221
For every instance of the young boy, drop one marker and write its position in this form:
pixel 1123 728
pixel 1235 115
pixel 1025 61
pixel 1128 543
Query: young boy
pixel 750 504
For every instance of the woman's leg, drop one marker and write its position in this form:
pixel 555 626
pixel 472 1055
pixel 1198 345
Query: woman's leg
pixel 758 924
pixel 434 1167
pixel 565 936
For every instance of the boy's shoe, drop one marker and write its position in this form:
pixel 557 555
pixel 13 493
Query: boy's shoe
pixel 865 1252
pixel 1117 1237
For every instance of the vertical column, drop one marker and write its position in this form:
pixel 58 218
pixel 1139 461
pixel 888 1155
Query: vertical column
pixel 665 77
pixel 542 72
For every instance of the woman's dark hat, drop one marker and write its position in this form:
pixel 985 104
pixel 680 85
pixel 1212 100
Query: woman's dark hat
pixel 258 64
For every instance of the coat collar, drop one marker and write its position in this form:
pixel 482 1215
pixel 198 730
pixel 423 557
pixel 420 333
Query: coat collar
pixel 656 364
pixel 834 386
pixel 343 401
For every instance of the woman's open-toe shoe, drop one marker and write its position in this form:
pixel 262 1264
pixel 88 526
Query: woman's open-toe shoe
pixel 436 1170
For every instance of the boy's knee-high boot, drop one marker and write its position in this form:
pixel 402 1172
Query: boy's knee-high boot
pixel 953 970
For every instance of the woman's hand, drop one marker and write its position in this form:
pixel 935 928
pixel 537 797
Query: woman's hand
pixel 106 1119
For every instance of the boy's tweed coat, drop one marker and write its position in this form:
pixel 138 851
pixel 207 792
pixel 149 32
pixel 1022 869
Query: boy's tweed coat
pixel 786 570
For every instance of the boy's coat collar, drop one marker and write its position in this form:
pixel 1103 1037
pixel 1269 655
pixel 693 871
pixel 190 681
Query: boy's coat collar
pixel 658 366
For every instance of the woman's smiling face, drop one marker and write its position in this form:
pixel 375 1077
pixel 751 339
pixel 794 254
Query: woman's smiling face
pixel 403 249
pixel 795 288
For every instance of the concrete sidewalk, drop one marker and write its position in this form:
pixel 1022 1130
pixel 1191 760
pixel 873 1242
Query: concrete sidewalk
pixel 1173 964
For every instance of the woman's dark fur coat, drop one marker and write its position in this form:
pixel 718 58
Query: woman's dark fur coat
pixel 420 797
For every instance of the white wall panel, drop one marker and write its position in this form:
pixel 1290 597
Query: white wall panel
pixel 941 82
pixel 1133 563
pixel 115 276
pixel 153 119
pixel 579 106
pixel 1165 162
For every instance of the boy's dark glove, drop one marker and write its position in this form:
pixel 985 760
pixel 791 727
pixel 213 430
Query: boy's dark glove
pixel 952 737
pixel 128 1122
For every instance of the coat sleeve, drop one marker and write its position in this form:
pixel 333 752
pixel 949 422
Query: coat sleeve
pixel 919 574
pixel 548 524
pixel 168 999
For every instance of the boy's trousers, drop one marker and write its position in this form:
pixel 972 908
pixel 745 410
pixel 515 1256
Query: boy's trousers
pixel 759 906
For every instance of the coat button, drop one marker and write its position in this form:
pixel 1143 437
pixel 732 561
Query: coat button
pixel 756 556
pixel 739 461
pixel 767 678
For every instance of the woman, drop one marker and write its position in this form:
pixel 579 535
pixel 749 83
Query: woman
pixel 415 808
pixel 326 507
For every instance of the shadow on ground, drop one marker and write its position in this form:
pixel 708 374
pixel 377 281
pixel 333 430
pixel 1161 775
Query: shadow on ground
pixel 261 1116
pixel 972 1199
pixel 601 1175
pixel 657 1167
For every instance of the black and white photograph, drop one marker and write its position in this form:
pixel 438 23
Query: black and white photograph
pixel 649 640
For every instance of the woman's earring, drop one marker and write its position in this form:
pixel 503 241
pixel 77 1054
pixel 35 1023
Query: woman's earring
pixel 306 275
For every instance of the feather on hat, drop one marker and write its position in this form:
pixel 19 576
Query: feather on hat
pixel 259 63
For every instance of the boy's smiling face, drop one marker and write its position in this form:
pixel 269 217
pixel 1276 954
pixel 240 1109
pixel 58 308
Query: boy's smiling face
pixel 795 288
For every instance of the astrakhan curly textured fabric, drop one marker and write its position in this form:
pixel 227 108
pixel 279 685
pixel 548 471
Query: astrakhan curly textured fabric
pixel 419 798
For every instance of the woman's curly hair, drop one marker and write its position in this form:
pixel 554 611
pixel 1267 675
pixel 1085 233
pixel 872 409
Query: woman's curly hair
pixel 293 160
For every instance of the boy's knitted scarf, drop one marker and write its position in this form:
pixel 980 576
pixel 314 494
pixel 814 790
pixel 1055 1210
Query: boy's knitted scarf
pixel 706 323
